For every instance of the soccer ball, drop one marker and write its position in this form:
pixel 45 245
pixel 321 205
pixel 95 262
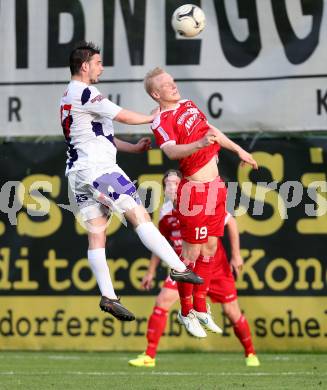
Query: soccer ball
pixel 188 20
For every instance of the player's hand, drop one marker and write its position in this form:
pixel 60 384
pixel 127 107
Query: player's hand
pixel 142 145
pixel 209 139
pixel 236 264
pixel 247 159
pixel 147 281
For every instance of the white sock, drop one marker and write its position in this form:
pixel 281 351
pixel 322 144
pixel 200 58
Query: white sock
pixel 156 243
pixel 100 269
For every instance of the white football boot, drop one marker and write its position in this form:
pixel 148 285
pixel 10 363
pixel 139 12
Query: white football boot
pixel 207 321
pixel 191 324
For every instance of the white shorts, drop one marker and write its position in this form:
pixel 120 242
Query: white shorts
pixel 98 193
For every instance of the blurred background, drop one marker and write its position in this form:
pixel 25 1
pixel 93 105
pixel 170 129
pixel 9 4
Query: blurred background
pixel 258 71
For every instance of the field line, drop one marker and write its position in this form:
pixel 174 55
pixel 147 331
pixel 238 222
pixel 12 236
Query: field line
pixel 161 373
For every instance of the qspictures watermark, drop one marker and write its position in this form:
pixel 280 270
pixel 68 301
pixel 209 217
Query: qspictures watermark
pixel 250 198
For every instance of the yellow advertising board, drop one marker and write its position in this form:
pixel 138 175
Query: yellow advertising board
pixel 76 323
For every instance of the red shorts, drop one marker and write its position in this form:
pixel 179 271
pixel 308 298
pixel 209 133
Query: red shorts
pixel 201 209
pixel 170 283
pixel 222 285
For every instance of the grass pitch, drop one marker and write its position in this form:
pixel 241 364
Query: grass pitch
pixel 192 370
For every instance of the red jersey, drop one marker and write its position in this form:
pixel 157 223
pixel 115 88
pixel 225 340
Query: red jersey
pixel 169 226
pixel 184 125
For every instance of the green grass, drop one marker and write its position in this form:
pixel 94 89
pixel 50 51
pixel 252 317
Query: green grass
pixel 191 370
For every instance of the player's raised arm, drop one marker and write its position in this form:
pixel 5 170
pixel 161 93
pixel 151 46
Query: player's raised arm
pixel 227 143
pixel 236 260
pixel 133 118
pixel 94 102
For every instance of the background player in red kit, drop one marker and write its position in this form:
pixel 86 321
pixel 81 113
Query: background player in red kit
pixel 183 133
pixel 222 286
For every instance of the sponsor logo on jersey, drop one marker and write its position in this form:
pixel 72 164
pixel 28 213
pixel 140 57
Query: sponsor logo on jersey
pixel 98 98
pixel 189 123
pixel 190 111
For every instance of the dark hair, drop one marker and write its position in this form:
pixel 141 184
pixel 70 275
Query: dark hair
pixel 82 52
pixel 175 172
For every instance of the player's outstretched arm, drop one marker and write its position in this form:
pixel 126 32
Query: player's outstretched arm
pixel 141 146
pixel 227 143
pixel 149 276
pixel 95 102
pixel 133 118
pixel 236 261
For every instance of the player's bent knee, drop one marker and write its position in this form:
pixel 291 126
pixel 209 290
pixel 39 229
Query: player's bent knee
pixel 167 298
pixel 97 232
pixel 137 215
pixel 232 311
pixel 165 304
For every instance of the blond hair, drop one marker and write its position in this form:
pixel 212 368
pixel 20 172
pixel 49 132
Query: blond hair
pixel 148 85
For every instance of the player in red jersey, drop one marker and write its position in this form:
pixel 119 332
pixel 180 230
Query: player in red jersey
pixel 222 286
pixel 183 133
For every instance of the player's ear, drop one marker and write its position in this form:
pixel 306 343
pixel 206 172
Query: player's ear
pixel 85 66
pixel 155 95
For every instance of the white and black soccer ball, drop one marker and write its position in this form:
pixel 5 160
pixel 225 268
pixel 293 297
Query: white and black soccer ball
pixel 188 20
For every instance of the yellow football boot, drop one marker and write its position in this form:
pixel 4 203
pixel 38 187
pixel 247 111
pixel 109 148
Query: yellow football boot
pixel 143 360
pixel 252 360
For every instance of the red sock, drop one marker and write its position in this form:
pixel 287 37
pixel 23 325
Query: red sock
pixel 185 291
pixel 243 333
pixel 203 267
pixel 156 327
